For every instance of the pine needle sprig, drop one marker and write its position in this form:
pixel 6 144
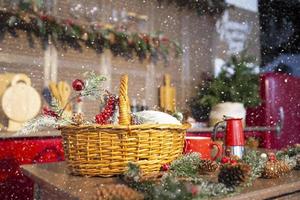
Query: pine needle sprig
pixel 289 155
pixel 93 89
pixel 290 151
pixel 55 106
pixel 169 189
pixel 42 122
pixel 256 162
pixel 93 86
pixel 291 161
pixel 133 172
pixel 187 165
pixel 210 189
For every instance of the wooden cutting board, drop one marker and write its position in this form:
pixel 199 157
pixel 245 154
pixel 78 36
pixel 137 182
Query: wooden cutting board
pixel 21 102
pixel 5 80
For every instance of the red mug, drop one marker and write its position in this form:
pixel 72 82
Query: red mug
pixel 202 145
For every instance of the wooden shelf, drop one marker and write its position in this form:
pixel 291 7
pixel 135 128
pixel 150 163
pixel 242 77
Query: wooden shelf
pixel 14 135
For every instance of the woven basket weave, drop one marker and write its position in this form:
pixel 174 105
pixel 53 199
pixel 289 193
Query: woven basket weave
pixel 94 150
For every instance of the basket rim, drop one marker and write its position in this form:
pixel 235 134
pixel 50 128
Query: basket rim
pixel 184 126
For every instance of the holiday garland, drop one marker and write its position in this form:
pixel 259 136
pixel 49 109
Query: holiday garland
pixel 184 178
pixel 66 33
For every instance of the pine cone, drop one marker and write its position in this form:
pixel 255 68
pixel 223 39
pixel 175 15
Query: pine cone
pixel 208 166
pixel 119 191
pixel 78 118
pixel 234 174
pixel 274 169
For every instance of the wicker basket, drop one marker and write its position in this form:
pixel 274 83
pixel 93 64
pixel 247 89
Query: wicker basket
pixel 93 150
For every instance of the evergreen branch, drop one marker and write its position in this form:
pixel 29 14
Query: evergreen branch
pixel 183 181
pixel 93 86
pixel 187 165
pixel 55 106
pixel 256 162
pixel 42 122
pixel 210 189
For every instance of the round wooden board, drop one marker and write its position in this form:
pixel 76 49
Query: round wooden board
pixel 21 102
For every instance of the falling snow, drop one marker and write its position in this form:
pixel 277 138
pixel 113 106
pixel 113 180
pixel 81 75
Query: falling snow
pixel 248 53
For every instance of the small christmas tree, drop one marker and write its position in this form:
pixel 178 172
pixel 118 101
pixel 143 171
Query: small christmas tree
pixel 236 82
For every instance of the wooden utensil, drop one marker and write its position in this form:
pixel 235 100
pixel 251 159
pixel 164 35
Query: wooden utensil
pixel 61 92
pixel 64 91
pixel 20 102
pixel 54 91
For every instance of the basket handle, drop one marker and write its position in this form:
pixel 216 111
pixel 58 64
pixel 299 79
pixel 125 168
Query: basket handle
pixel 124 105
pixel 186 125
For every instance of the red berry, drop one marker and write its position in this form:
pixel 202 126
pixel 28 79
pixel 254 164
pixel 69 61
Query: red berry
pixel 49 112
pixel 194 190
pixel 165 167
pixel 69 22
pixel 99 119
pixel 44 17
pixel 234 162
pixel 107 111
pixel 225 160
pixel 78 85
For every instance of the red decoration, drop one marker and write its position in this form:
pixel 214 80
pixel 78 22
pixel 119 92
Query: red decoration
pixel 233 162
pixel 165 167
pixel 78 85
pixel 69 22
pixel 272 157
pixel 49 112
pixel 47 18
pixel 194 190
pixel 164 40
pixel 146 38
pixel 103 117
pixel 225 160
pixel 44 17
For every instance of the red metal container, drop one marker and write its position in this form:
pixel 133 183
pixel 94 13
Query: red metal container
pixel 234 132
pixel 234 136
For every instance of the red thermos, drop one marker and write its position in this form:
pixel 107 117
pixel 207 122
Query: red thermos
pixel 234 135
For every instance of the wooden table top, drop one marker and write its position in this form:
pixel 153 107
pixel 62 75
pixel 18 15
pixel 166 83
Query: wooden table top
pixel 54 176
